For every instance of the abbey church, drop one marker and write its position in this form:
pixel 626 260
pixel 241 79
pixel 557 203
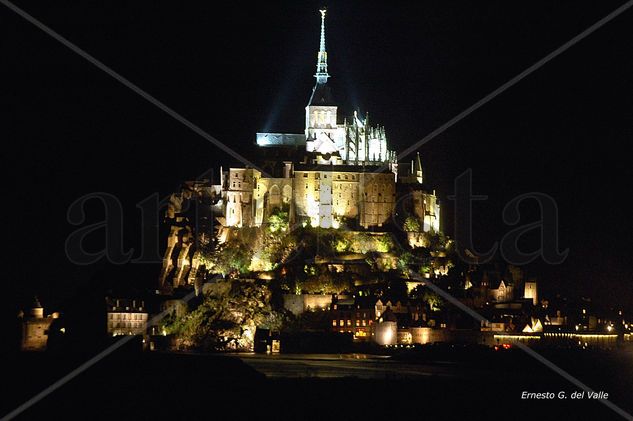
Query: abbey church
pixel 345 171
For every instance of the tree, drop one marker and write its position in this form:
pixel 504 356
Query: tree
pixel 228 317
pixel 278 221
pixel 433 300
pixel 230 257
pixel 404 261
pixel 412 224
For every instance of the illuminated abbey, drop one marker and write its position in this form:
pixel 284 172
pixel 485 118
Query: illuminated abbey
pixel 345 171
pixel 339 173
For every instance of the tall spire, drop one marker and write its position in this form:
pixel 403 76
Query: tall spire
pixel 321 73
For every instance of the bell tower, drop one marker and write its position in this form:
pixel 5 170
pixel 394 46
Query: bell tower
pixel 321 110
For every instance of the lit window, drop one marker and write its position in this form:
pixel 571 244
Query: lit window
pixel 333 322
pixel 341 322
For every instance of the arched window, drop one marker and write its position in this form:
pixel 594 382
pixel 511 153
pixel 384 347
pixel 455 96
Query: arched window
pixel 275 195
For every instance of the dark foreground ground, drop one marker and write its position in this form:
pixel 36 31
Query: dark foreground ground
pixel 138 386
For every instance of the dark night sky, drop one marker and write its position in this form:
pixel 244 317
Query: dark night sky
pixel 565 130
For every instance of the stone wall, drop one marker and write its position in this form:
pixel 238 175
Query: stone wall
pixel 297 304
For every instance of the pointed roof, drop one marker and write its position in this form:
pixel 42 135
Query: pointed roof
pixel 321 95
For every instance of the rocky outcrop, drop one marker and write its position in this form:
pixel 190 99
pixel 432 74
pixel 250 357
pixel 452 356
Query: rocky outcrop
pixel 190 216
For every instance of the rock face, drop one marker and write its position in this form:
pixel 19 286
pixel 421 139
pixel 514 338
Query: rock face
pixel 190 217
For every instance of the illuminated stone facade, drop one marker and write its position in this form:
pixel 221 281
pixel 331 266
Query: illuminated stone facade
pixel 126 317
pixel 36 328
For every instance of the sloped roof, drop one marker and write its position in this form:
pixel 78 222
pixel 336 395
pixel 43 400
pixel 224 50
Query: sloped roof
pixel 321 95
